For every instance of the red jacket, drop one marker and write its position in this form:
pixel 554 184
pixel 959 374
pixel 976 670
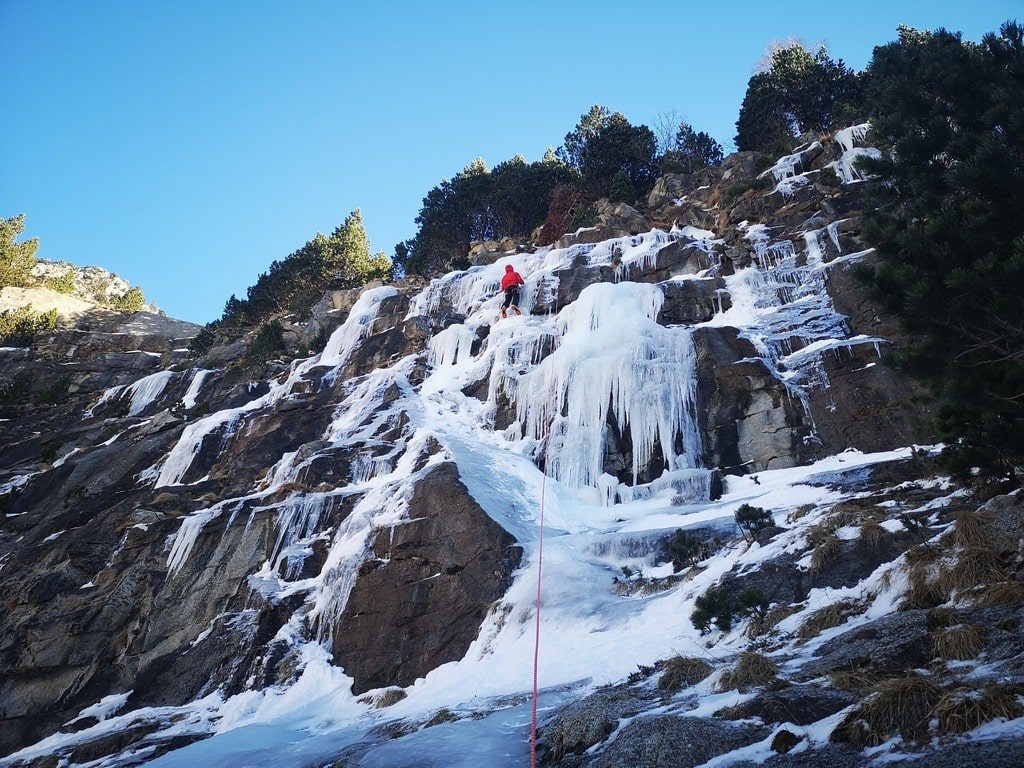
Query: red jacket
pixel 510 278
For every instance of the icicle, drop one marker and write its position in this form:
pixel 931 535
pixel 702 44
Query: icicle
pixel 452 346
pixel 612 355
pixel 847 138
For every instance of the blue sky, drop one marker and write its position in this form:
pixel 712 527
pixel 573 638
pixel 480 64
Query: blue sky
pixel 185 145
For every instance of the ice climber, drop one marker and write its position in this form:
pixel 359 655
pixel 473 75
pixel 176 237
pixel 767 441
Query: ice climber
pixel 510 283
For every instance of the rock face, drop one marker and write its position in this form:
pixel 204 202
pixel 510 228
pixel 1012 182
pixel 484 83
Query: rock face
pixel 748 418
pixel 441 571
pixel 179 525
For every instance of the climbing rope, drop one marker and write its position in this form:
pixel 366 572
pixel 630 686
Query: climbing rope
pixel 540 569
pixel 536 637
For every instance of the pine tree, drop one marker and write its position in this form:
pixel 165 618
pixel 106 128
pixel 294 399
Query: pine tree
pixel 948 226
pixel 16 259
pixel 798 92
pixel 692 150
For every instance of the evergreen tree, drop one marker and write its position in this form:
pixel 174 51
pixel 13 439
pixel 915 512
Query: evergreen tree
pixel 480 204
pixel 16 259
pixel 605 143
pixel 691 151
pixel 948 226
pixel 798 92
pixel 621 189
pixel 341 260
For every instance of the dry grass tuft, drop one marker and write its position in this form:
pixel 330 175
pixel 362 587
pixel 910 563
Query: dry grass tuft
pixel 923 554
pixel 762 625
pixel 871 532
pixel 1001 593
pixel 852 681
pixel 943 617
pixel 922 573
pixel 899 706
pixel 964 709
pixel 824 551
pixel 975 567
pixel 819 532
pixel 751 671
pixel 799 513
pixel 828 617
pixel 961 642
pixel 682 672
pixel 971 529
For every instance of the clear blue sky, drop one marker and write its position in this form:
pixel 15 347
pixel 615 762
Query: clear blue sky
pixel 185 145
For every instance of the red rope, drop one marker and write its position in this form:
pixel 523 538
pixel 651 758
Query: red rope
pixel 536 639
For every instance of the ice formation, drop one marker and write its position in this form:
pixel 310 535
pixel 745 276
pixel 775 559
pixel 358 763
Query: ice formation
pixel 335 354
pixel 612 356
pixel 848 139
pixel 198 377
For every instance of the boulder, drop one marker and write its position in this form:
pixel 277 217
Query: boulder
pixel 669 188
pixel 591 235
pixel 891 643
pixel 796 704
pixel 692 301
pixel 666 741
pixel 589 721
pixel 621 216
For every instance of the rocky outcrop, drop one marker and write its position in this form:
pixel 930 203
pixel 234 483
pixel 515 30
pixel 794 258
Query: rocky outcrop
pixel 621 216
pixel 441 571
pixel 749 420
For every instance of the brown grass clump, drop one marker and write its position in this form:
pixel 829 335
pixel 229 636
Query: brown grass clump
pixel 970 529
pixel 898 706
pixel 871 532
pixel 964 709
pixel 751 671
pixel 922 574
pixel 682 672
pixel 819 532
pixel 828 617
pixel 798 513
pixel 852 680
pixel 1001 593
pixel 976 566
pixel 960 642
pixel 762 625
pixel 824 551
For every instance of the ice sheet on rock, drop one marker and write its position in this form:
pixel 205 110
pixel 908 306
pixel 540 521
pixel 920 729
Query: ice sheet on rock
pixel 846 166
pixel 452 345
pixel 475 292
pixel 612 357
pixel 189 400
pixel 105 707
pixel 782 306
pixel 384 505
pixel 357 326
pixel 850 137
pixel 146 390
pixel 109 394
pixel 786 166
pixel 336 352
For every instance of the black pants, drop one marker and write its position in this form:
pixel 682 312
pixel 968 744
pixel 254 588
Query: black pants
pixel 511 297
